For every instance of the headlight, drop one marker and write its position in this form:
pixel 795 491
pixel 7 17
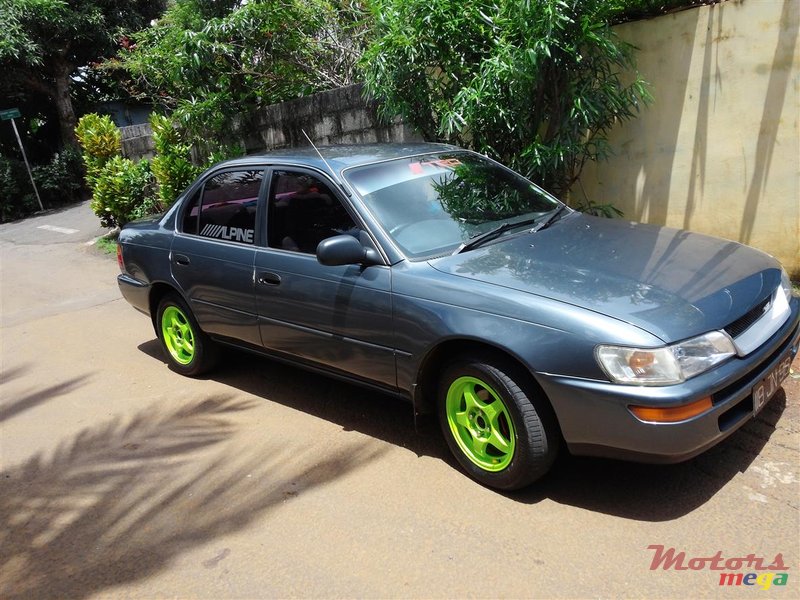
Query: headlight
pixel 665 366
pixel 786 285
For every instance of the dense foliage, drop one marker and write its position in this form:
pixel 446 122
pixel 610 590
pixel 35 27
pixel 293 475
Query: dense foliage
pixel 211 59
pixel 59 182
pixel 172 165
pixel 101 141
pixel 123 187
pixel 534 84
pixel 45 44
pixel 46 48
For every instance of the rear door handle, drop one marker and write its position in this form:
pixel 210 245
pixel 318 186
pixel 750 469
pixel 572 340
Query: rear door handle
pixel 181 259
pixel 269 278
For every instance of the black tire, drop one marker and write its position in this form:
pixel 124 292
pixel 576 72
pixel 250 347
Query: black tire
pixel 526 422
pixel 188 350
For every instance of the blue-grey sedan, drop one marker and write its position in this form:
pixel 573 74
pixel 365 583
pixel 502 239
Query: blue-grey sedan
pixel 441 276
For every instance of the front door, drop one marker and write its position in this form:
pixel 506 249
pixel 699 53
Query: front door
pixel 339 318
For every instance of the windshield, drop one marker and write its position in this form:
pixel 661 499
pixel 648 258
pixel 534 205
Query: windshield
pixel 432 204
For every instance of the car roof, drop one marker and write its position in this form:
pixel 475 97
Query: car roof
pixel 339 157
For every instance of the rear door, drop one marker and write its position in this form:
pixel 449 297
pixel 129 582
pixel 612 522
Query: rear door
pixel 213 253
pixel 335 317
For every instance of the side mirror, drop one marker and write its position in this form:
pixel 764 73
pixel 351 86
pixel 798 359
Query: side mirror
pixel 345 250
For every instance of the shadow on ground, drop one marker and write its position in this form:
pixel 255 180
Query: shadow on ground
pixel 10 408
pixel 121 500
pixel 657 492
pixel 629 490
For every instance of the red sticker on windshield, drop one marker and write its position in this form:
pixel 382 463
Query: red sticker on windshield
pixel 442 163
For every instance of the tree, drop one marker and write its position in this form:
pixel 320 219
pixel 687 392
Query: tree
pixel 45 45
pixel 536 85
pixel 208 60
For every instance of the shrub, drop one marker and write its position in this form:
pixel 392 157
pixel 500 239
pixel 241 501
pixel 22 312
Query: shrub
pixel 16 194
pixel 60 181
pixel 172 165
pixel 536 85
pixel 121 188
pixel 224 152
pixel 100 140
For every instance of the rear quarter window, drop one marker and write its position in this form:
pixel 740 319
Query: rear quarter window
pixel 225 208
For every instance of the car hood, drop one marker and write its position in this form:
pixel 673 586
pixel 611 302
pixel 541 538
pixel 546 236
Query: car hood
pixel 672 283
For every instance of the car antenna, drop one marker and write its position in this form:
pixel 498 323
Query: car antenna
pixel 346 191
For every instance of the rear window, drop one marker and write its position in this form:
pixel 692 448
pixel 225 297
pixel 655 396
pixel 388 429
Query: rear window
pixel 225 208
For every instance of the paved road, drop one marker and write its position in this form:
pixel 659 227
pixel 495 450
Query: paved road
pixel 122 479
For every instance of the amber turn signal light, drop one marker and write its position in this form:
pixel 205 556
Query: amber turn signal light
pixel 671 414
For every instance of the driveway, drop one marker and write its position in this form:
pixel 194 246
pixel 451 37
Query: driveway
pixel 123 479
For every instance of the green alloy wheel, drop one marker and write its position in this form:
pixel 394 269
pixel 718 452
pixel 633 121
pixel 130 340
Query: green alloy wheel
pixel 497 422
pixel 188 350
pixel 480 423
pixel 178 335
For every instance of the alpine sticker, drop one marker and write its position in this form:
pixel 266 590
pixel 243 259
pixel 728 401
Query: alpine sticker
pixel 222 232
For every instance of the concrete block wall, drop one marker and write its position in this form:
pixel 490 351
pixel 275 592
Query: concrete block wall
pixel 339 116
pixel 137 141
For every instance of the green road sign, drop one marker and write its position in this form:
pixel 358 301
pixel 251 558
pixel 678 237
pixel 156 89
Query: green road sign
pixel 9 113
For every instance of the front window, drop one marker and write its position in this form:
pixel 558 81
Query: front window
pixel 432 204
pixel 302 211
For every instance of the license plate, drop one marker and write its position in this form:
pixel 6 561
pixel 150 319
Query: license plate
pixel 765 388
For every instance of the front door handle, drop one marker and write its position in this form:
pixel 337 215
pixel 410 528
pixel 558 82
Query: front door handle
pixel 269 278
pixel 181 259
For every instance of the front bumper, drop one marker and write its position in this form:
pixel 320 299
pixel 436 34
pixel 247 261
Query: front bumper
pixel 595 419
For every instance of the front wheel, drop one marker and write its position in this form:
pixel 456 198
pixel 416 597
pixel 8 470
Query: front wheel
pixel 501 431
pixel 188 350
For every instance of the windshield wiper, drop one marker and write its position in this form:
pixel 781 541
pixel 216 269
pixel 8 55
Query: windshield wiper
pixel 487 236
pixel 550 220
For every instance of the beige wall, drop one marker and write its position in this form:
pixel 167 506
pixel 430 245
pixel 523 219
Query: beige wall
pixel 718 151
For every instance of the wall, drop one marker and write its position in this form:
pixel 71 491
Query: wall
pixel 137 141
pixel 339 116
pixel 718 151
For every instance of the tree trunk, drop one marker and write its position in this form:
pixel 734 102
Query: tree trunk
pixel 66 114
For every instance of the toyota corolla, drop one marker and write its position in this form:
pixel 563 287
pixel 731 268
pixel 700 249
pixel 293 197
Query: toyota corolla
pixel 438 275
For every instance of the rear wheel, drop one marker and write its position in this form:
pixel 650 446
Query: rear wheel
pixel 188 350
pixel 501 431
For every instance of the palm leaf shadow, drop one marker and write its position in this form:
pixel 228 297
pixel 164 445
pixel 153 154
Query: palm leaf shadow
pixel 9 409
pixel 121 500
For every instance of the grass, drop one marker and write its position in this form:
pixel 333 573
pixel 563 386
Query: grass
pixel 107 245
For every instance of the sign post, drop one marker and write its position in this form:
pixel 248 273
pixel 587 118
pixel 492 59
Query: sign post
pixel 9 115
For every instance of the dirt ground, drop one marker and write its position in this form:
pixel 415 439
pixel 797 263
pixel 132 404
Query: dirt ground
pixel 121 479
